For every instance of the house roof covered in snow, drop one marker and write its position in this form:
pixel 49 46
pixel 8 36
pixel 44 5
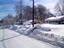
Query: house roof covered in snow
pixel 54 18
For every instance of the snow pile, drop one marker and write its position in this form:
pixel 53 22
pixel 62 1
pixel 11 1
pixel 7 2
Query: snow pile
pixel 43 28
pixel 27 29
pixel 28 22
pixel 22 29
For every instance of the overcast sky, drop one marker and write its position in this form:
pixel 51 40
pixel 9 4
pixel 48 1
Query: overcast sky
pixel 8 6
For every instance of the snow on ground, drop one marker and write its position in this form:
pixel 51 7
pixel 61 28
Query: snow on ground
pixel 57 29
pixel 47 33
pixel 1 34
pixel 22 41
pixel 28 22
pixel 6 33
pixel 1 45
pixel 25 42
pixel 42 32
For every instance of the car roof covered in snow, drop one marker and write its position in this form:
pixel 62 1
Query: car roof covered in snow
pixel 54 18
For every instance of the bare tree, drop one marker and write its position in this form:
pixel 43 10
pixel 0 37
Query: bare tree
pixel 8 20
pixel 19 11
pixel 59 8
pixel 27 13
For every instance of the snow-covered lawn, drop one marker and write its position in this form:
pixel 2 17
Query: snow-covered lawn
pixel 57 29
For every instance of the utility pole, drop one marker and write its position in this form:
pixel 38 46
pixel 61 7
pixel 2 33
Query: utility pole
pixel 33 15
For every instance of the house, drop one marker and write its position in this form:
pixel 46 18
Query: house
pixel 55 20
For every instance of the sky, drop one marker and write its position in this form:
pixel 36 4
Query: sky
pixel 8 6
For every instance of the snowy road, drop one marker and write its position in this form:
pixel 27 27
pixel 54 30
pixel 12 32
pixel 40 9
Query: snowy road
pixel 15 40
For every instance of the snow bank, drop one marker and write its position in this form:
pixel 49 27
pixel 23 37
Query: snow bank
pixel 28 22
